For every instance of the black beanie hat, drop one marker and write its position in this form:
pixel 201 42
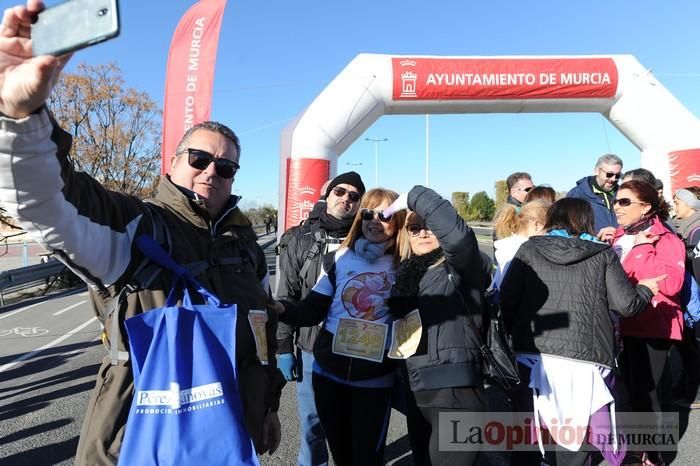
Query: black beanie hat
pixel 351 178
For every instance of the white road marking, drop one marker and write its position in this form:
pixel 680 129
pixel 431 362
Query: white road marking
pixel 25 331
pixel 58 340
pixel 58 313
pixel 10 314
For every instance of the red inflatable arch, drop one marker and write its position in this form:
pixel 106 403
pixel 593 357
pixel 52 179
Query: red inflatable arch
pixel 618 87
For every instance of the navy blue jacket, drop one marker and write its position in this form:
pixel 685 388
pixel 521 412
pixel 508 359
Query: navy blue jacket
pixel 603 213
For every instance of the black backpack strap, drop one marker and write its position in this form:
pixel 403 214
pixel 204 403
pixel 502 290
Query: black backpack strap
pixel 148 270
pixel 321 240
pixel 316 249
pixel 328 262
pixel 142 277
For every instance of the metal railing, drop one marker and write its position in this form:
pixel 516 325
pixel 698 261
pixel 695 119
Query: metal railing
pixel 46 273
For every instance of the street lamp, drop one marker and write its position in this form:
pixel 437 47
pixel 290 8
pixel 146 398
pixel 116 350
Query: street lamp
pixel 376 141
pixel 427 151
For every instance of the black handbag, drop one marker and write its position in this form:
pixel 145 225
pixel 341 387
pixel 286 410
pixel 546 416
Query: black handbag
pixel 499 365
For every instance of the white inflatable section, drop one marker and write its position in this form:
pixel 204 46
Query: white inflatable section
pixel 633 100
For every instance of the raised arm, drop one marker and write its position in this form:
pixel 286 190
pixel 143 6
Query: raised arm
pixel 623 297
pixel 456 239
pixel 69 213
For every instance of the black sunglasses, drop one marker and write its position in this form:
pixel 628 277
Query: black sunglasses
pixel 617 176
pixel 368 214
pixel 200 159
pixel 354 196
pixel 414 229
pixel 626 201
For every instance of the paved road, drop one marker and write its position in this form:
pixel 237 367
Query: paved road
pixel 49 354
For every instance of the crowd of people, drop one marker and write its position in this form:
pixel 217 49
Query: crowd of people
pixel 380 295
pixel 589 286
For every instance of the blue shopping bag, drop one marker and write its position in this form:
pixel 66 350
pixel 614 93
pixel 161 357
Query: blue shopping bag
pixel 186 408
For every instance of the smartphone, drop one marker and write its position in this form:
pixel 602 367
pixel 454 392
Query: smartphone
pixel 73 25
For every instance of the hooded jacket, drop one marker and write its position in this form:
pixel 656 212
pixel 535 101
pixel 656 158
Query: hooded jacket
pixel 92 230
pixel 664 316
pixel 557 294
pixel 601 202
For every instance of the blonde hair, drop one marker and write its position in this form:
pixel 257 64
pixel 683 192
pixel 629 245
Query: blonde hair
pixel 511 220
pixel 370 200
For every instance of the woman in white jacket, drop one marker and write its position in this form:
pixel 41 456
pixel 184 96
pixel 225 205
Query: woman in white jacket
pixel 513 226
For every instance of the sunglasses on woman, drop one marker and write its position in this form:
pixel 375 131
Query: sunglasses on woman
pixel 354 196
pixel 414 229
pixel 626 202
pixel 200 159
pixel 368 214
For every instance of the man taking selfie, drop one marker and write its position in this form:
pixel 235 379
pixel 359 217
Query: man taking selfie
pixel 92 230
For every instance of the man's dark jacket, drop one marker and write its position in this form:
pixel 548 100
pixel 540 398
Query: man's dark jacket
pixel 556 295
pixel 294 249
pixel 603 213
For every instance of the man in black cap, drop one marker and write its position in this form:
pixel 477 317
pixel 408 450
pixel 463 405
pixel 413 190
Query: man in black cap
pixel 300 250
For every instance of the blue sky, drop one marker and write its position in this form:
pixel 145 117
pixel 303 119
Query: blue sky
pixel 275 57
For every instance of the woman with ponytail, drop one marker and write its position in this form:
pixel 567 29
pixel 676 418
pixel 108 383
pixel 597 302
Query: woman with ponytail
pixel 513 226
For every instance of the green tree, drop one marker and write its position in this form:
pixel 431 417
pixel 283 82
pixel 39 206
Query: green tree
pixel 501 189
pixel 460 201
pixel 482 207
pixel 258 216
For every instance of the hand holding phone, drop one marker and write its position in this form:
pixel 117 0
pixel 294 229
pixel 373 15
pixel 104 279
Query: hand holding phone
pixel 73 25
pixel 25 82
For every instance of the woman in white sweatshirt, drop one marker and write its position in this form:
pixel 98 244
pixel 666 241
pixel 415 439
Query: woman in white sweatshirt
pixel 513 226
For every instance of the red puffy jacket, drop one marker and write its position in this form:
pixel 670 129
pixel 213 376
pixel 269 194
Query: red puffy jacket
pixel 663 317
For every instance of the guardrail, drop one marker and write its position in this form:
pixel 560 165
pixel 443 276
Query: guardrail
pixel 48 273
pixel 482 231
pixel 33 275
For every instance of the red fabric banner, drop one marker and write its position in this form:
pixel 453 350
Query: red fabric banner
pixel 503 78
pixel 304 180
pixel 684 166
pixel 189 76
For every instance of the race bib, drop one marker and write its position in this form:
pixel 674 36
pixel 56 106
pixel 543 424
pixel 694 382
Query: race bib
pixel 257 320
pixel 362 339
pixel 405 336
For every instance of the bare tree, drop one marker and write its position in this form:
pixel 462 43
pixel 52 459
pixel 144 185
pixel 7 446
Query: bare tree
pixel 115 129
pixel 501 189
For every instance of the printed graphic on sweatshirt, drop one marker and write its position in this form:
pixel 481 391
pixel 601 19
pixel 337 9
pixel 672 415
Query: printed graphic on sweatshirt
pixel 365 295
